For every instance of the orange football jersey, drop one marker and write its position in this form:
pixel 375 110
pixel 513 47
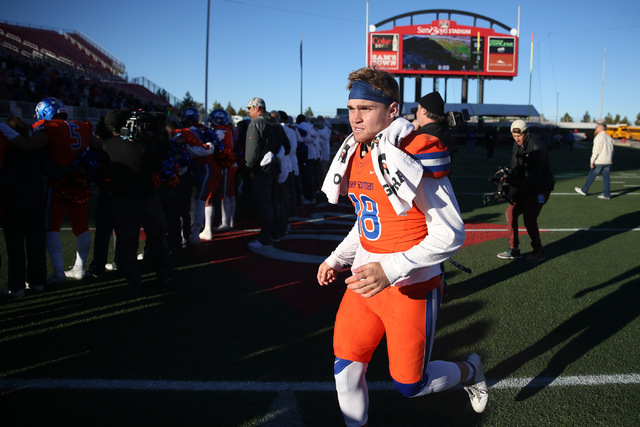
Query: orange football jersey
pixel 381 229
pixel 67 139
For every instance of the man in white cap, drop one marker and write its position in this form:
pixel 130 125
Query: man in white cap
pixel 601 160
pixel 265 137
pixel 531 184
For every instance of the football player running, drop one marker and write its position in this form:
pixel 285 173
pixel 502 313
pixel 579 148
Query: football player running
pixel 408 222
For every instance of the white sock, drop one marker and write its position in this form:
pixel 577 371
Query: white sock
pixel 208 217
pixel 83 244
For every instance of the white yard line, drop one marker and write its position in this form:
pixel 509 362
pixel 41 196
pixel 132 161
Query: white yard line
pixel 281 386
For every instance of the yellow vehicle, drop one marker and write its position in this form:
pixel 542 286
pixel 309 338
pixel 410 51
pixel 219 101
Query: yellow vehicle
pixel 617 131
pixel 634 132
pixel 623 131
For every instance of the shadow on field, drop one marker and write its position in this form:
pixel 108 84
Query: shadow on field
pixel 585 330
pixel 626 191
pixel 579 334
pixel 573 242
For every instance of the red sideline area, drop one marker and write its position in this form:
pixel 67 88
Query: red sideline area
pixel 294 282
pixel 485 232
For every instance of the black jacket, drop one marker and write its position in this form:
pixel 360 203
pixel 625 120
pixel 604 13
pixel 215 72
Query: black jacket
pixel 440 131
pixel 263 135
pixel 133 164
pixel 531 166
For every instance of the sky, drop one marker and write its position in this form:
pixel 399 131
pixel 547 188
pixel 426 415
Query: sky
pixel 254 49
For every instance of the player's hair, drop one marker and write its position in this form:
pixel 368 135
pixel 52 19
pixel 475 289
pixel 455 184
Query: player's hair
pixel 378 79
pixel 437 118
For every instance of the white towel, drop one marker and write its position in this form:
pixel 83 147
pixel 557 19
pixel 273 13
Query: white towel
pixel 399 178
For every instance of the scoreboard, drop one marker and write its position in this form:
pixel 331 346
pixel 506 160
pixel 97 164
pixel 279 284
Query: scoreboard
pixel 445 49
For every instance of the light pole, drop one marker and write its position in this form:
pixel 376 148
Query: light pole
pixel 206 66
pixel 604 64
pixel 366 38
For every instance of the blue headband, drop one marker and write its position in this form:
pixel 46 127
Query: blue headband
pixel 363 90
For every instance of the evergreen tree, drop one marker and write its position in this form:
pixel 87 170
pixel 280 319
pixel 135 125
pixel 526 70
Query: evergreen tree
pixel 567 118
pixel 230 110
pixel 308 113
pixel 624 121
pixel 187 101
pixel 586 118
pixel 242 112
pixel 637 122
pixel 217 105
pixel 616 120
pixel 608 119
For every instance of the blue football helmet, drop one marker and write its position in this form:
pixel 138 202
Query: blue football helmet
pixel 218 117
pixel 192 114
pixel 49 107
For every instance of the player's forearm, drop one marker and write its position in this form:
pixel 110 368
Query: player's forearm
pixel 345 252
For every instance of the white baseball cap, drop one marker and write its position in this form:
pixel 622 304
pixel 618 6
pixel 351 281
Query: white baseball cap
pixel 519 126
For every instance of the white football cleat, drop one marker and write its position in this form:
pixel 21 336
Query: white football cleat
pixel 206 235
pixel 76 272
pixel 476 386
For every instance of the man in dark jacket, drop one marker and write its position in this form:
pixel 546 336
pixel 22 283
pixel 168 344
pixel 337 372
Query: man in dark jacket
pixel 136 201
pixel 532 183
pixel 431 118
pixel 265 137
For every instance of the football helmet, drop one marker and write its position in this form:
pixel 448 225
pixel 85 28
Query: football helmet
pixel 218 117
pixel 192 114
pixel 49 107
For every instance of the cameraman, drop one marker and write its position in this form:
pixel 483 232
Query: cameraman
pixel 431 118
pixel 531 185
pixel 135 156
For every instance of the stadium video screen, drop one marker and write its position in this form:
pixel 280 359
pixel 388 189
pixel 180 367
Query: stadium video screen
pixel 442 53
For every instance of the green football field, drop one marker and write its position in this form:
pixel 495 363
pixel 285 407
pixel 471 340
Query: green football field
pixel 245 339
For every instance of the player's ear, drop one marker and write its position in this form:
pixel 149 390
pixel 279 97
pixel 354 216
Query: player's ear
pixel 393 110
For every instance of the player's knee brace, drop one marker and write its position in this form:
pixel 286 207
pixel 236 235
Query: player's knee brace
pixel 348 374
pixel 351 386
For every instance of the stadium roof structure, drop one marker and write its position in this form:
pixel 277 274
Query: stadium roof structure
pixel 484 110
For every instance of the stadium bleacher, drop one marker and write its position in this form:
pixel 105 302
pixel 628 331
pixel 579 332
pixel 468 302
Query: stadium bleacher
pixel 27 52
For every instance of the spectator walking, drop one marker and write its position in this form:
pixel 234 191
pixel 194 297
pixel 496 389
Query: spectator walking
pixel 600 162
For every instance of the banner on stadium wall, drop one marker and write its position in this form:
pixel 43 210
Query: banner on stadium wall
pixel 444 48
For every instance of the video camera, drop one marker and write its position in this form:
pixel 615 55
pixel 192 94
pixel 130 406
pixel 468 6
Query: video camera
pixel 457 118
pixel 142 125
pixel 502 178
